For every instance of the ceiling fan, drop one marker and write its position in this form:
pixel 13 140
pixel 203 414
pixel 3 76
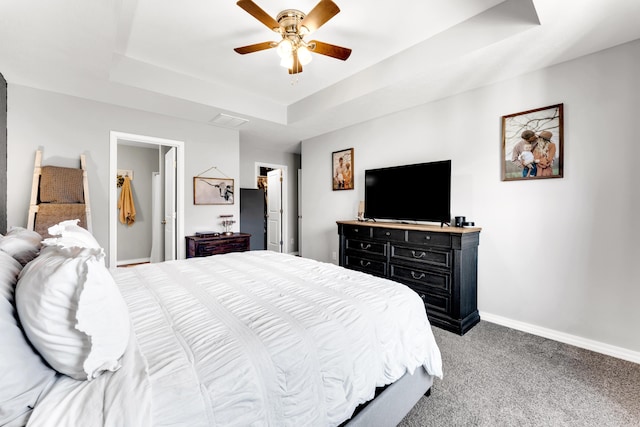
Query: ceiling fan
pixel 293 26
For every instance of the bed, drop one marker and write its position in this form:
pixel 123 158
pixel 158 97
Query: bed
pixel 254 338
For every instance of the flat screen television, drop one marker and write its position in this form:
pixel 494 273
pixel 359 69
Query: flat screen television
pixel 418 192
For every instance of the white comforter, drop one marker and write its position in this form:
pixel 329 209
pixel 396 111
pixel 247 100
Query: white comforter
pixel 255 338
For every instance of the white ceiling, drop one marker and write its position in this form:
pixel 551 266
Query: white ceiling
pixel 176 57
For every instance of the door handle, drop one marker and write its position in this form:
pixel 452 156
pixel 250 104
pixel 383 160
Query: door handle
pixel 163 222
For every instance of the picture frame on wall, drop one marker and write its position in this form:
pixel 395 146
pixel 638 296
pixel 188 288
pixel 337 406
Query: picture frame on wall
pixel 533 144
pixel 212 191
pixel 342 169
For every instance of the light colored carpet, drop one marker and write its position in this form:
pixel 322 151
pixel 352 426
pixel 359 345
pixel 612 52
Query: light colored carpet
pixel 496 376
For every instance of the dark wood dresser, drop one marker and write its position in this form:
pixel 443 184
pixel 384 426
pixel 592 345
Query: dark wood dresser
pixel 211 245
pixel 438 263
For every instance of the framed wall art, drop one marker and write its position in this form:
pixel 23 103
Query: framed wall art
pixel 532 144
pixel 342 169
pixel 212 191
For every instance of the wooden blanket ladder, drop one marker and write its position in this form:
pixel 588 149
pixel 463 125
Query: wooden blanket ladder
pixel 58 194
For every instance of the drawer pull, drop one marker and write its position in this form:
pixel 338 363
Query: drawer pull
pixel 423 296
pixel 422 254
pixel 417 276
pixel 362 246
pixel 355 230
pixel 427 237
pixel 363 264
pixel 387 234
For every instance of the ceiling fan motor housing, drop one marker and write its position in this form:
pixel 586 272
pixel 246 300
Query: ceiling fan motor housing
pixel 289 20
pixel 290 28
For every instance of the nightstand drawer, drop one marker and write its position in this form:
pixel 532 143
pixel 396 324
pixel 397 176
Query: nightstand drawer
pixel 366 247
pixel 389 234
pixel 426 256
pixel 426 279
pixel 429 238
pixel 198 246
pixel 378 268
pixel 205 249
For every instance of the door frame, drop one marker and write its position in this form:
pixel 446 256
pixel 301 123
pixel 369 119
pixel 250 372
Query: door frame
pixel 284 198
pixel 114 140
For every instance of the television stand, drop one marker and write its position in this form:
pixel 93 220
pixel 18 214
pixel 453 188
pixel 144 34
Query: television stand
pixel 440 264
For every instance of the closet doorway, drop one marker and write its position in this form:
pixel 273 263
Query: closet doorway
pixel 273 178
pixel 158 192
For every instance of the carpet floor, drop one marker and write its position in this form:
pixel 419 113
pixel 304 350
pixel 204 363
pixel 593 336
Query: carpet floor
pixel 497 376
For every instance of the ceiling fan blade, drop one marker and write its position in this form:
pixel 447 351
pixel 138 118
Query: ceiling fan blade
pixel 331 50
pixel 254 10
pixel 320 14
pixel 255 47
pixel 297 66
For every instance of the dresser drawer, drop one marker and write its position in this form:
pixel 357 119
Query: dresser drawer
pixel 434 302
pixel 377 267
pixel 389 234
pixel 424 256
pixel 429 238
pixel 356 231
pixel 425 279
pixel 366 246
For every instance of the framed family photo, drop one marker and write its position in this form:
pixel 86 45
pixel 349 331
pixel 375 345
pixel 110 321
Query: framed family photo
pixel 212 191
pixel 342 169
pixel 532 144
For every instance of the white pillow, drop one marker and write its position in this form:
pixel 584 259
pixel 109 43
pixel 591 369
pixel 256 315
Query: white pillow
pixel 72 311
pixel 24 374
pixel 9 270
pixel 22 244
pixel 71 235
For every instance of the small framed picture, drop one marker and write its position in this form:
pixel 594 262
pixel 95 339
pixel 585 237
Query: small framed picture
pixel 342 169
pixel 212 191
pixel 532 144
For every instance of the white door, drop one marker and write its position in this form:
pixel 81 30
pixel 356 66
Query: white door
pixel 170 205
pixel 157 215
pixel 274 211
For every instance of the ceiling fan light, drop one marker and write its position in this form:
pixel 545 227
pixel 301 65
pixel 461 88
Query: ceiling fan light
pixel 304 56
pixel 287 62
pixel 285 48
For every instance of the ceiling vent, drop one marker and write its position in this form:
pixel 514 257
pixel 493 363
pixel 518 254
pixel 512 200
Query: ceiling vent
pixel 228 121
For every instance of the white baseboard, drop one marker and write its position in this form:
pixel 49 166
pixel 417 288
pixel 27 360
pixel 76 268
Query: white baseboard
pixel 133 261
pixel 598 347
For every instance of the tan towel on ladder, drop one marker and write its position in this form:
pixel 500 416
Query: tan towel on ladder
pixel 125 204
pixel 52 213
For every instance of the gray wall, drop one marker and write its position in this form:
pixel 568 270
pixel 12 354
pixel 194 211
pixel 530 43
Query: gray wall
pixel 65 126
pixel 556 255
pixel 134 241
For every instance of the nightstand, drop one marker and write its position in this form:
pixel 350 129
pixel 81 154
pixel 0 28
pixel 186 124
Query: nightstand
pixel 198 246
